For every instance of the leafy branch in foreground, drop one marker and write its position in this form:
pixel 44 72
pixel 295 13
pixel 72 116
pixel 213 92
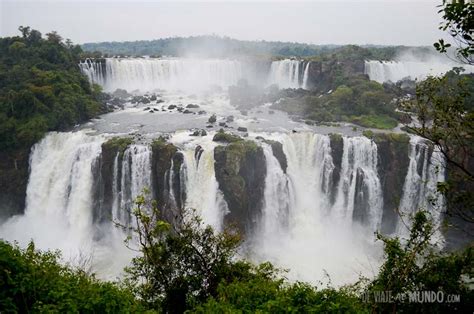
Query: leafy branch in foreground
pixel 414 266
pixel 444 109
pixel 181 264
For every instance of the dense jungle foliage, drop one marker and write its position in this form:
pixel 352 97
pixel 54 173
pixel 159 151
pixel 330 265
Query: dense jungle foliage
pixel 41 88
pixel 215 46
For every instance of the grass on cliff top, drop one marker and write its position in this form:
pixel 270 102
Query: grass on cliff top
pixel 394 137
pixel 120 143
pixel 375 121
pixel 224 137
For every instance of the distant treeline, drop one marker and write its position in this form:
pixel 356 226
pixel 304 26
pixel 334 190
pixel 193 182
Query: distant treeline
pixel 215 46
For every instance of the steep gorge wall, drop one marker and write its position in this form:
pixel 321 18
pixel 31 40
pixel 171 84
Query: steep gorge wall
pixel 240 171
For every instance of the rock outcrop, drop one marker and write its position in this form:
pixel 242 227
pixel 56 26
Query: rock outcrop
pixel 166 185
pixel 240 169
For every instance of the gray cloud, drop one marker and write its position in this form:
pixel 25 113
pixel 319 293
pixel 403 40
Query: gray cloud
pixel 319 22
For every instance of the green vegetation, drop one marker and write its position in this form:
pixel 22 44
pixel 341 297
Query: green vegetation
pixel 444 106
pixel 414 265
pixel 375 121
pixel 215 46
pixel 357 100
pixel 32 281
pixel 118 143
pixel 41 88
pixel 222 136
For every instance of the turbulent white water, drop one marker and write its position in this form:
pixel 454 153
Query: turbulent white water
pixel 191 75
pixel 419 190
pixel 394 71
pixel 202 189
pixel 299 229
pixel 306 76
pixel 359 171
pixel 170 74
pixel 310 222
pixel 285 74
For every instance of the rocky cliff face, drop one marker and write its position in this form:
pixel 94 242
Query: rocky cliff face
pixel 240 169
pixel 322 74
pixel 393 150
pixel 337 148
pixel 13 181
pixel 166 184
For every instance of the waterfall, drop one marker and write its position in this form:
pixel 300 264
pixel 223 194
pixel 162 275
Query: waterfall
pixel 135 176
pixel 147 74
pixel 318 215
pixel 393 71
pixel 202 189
pixel 359 185
pixel 59 196
pixel 285 74
pixel 277 195
pixel 306 76
pixel 425 170
pixel 93 70
pixel 299 228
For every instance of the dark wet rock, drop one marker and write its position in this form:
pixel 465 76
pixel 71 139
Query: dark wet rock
pixel 171 107
pixel 202 112
pixel 225 137
pixel 155 109
pixel 121 93
pixel 13 181
pixel 146 108
pixel 393 153
pixel 159 101
pixel 277 149
pixel 151 111
pixel 200 132
pixel 230 119
pixel 222 124
pixel 153 97
pixel 166 164
pixel 240 171
pixel 186 111
pixel 192 106
pixel 212 119
pixel 337 149
pixel 180 109
pixel 198 152
pixel 209 126
pixel 242 129
pixel 103 171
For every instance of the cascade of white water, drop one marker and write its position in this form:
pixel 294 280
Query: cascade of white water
pixel 419 189
pixel 59 199
pixel 136 176
pixel 285 74
pixel 93 70
pixel 311 239
pixel 202 189
pixel 393 71
pixel 359 172
pixel 276 196
pixel 169 74
pixel 306 76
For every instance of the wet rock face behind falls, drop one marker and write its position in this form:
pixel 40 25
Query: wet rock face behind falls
pixel 240 171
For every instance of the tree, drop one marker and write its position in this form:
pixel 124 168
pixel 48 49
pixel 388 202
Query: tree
pixel 179 264
pixel 443 107
pixel 414 266
pixel 458 18
pixel 444 110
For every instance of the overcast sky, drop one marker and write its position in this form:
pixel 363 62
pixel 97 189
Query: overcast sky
pixel 386 22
